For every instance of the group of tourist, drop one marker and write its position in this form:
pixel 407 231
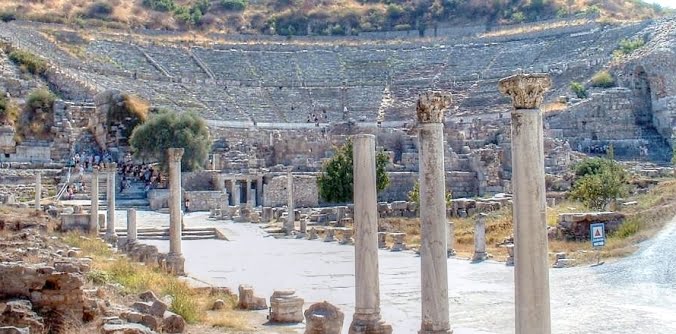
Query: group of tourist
pixel 317 117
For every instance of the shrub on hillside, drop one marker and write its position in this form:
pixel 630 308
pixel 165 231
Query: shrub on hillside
pixel 9 111
pixel 160 5
pixel 151 139
pixel 578 89
pixel 603 79
pixel 627 46
pixel 28 61
pixel 234 4
pixel 7 16
pixel 99 10
pixel 599 182
pixel 130 112
pixel 38 116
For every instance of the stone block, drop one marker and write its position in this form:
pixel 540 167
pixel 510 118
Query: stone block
pixel 247 300
pixel 285 307
pixel 323 318
pixel 172 323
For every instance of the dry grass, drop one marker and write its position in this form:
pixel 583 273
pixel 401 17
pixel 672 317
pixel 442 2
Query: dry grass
pixel 554 106
pixel 192 304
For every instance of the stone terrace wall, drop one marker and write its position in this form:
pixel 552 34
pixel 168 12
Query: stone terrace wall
pixel 305 191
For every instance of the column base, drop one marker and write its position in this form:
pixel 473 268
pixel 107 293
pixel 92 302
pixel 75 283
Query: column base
pixel 443 331
pixel 176 264
pixel 360 325
pixel 479 256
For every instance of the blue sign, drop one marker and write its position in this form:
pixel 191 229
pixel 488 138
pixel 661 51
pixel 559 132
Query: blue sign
pixel 598 234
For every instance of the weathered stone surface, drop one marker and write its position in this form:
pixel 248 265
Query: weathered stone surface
pixel 172 323
pixel 125 329
pixel 20 313
pixel 13 330
pixel 526 90
pixel 248 301
pixel 285 307
pixel 576 226
pixel 323 318
pixel 219 304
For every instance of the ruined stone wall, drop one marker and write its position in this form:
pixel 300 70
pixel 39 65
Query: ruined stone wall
pixel 206 200
pixel 202 180
pixel 306 193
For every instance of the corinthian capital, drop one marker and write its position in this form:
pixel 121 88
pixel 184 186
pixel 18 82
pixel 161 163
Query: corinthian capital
pixel 526 90
pixel 431 106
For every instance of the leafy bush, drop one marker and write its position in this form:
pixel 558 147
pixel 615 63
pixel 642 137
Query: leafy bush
pixel 238 5
pixel 99 10
pixel 151 139
pixel 414 195
pixel 603 79
pixel 98 277
pixel 9 111
pixel 28 61
pixel 130 112
pixel 336 181
pixel 160 5
pixel 630 227
pixel 627 46
pixel 598 182
pixel 41 99
pixel 518 17
pixel 578 89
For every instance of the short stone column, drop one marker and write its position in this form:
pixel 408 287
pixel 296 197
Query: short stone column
pixel 38 190
pixel 111 171
pixel 531 273
pixel 330 234
pixel 236 191
pixel 175 260
pixel 249 194
pixel 398 242
pixel 480 238
pixel 367 317
pixel 131 226
pixel 94 207
pixel 259 191
pixel 450 241
pixel 312 234
pixel 290 222
pixel 433 236
pixel 346 237
pixel 382 239
pixel 216 161
pixel 303 226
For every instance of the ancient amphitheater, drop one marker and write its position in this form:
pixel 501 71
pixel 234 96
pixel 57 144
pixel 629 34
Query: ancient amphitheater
pixel 272 101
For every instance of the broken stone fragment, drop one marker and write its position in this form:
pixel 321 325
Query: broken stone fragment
pixel 172 323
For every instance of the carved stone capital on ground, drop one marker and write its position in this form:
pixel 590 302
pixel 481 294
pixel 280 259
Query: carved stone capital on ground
pixel 431 105
pixel 175 154
pixel 526 90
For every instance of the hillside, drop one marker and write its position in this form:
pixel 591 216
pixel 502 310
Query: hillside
pixel 303 17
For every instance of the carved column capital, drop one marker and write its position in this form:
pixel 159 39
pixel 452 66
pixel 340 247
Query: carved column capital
pixel 111 167
pixel 526 90
pixel 431 105
pixel 175 154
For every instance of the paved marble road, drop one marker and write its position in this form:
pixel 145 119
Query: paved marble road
pixel 626 296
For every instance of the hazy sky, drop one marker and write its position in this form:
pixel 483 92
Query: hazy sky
pixel 666 3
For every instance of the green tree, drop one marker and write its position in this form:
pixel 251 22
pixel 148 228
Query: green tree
pixel 336 181
pixel 599 182
pixel 170 129
pixel 414 195
pixel 578 89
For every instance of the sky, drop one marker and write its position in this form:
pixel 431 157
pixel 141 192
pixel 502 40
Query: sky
pixel 666 3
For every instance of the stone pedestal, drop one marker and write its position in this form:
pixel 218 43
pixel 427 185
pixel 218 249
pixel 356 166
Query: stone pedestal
pixel 531 273
pixel 510 255
pixel 111 171
pixel 330 235
pixel 248 301
pixel 38 190
pixel 382 239
pixel 131 226
pixel 312 235
pixel 433 236
pixel 346 237
pixel 450 241
pixel 266 214
pixel 303 226
pixel 175 260
pixel 290 222
pixel 323 318
pixel 216 161
pixel 398 244
pixel 285 307
pixel 94 207
pixel 367 317
pixel 480 238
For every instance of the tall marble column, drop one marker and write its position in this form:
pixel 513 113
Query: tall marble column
pixel 249 194
pixel 531 271
pixel 94 207
pixel 433 248
pixel 38 190
pixel 111 170
pixel 290 223
pixel 131 226
pixel 175 260
pixel 367 287
pixel 216 161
